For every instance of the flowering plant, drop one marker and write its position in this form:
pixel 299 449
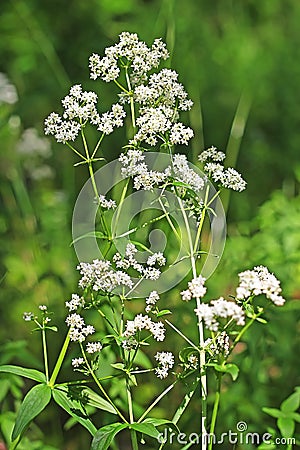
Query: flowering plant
pixel 120 307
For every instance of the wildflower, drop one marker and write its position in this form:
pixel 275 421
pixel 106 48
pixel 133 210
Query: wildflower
pixel 196 289
pixel 99 276
pixel 143 322
pixel 180 134
pixel 75 303
pixel 28 316
pixel 211 154
pixel 185 174
pixel 140 58
pixel 75 320
pixel 151 301
pixel 43 308
pixel 78 329
pixel 106 204
pixel 165 363
pixel 228 178
pixel 259 281
pixel 156 258
pixel 219 309
pixel 93 347
pixel 76 362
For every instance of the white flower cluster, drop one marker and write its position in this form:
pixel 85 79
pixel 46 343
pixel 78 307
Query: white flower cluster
pixel 259 281
pixel 184 173
pixel 219 309
pixel 147 271
pixel 228 178
pixel 93 347
pixel 76 362
pixel 211 154
pixel 165 363
pixel 110 119
pixel 80 108
pixel 106 204
pixel 151 301
pixel 133 53
pixel 196 289
pixel 75 303
pixel 160 101
pixel 143 322
pixel 100 276
pixel 78 329
pixel 134 166
pixel 218 346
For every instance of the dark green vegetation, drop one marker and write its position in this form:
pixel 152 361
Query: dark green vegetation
pixel 239 60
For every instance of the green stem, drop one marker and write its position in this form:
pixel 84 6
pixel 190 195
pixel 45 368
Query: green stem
pixel 60 360
pixel 246 327
pixel 182 335
pixel 131 100
pixel 100 385
pixel 131 418
pixel 45 354
pixel 215 411
pixel 200 226
pixel 118 212
pixel 157 400
pixel 202 361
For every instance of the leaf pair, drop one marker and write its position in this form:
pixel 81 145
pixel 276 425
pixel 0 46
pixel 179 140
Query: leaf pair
pixel 105 435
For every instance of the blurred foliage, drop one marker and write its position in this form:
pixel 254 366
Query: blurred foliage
pixel 239 60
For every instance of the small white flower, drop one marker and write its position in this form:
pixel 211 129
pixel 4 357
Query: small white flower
pixel 76 362
pixel 28 316
pixel 93 347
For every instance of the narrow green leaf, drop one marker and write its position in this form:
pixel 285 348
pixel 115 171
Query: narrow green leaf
pixel 286 427
pixel 273 412
pixel 163 312
pixel 119 366
pixel 159 422
pixel 145 428
pixel 34 402
pixel 98 402
pixel 62 399
pixel 261 320
pixel 33 374
pixel 292 403
pixel 104 436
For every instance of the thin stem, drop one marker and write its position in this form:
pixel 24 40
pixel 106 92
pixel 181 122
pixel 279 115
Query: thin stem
pixel 182 335
pixel 200 226
pixel 97 145
pixel 215 411
pixel 202 361
pixel 100 385
pixel 131 418
pixel 169 220
pixel 60 360
pixel 45 354
pixel 157 400
pixel 131 100
pixel 76 151
pixel 118 213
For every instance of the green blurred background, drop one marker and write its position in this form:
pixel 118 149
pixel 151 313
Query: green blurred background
pixel 240 62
